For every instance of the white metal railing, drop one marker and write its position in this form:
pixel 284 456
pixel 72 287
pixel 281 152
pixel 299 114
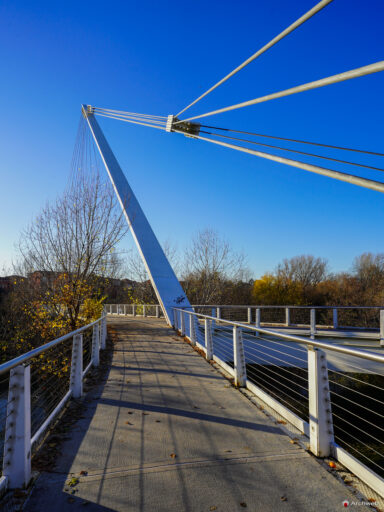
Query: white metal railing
pixel 34 387
pixel 329 321
pixel 145 310
pixel 332 394
pixel 319 321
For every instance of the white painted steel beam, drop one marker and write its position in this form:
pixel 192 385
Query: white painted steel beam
pixel 164 281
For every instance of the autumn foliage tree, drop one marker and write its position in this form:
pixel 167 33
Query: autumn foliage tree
pixel 66 254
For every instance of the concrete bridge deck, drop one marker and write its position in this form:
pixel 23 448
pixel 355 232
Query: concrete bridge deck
pixel 168 433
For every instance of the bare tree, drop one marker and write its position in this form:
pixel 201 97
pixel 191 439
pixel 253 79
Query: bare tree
pixel 305 270
pixel 136 271
pixel 210 263
pixel 74 239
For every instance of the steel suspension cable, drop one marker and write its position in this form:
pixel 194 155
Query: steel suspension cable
pixel 262 50
pixel 341 77
pixel 129 113
pixel 133 122
pixel 122 118
pixel 295 151
pixel 134 118
pixel 293 140
pixel 349 178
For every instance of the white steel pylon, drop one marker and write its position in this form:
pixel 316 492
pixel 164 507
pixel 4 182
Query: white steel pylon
pixel 164 281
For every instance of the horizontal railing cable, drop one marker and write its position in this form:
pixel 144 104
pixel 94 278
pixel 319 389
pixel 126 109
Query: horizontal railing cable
pixel 357 380
pixel 262 50
pixel 255 352
pixel 357 451
pixel 360 429
pixel 279 374
pixel 359 441
pixel 363 354
pixel 341 176
pixel 299 141
pixel 337 405
pixel 365 166
pixel 357 392
pixel 340 77
pixel 358 404
pixel 278 394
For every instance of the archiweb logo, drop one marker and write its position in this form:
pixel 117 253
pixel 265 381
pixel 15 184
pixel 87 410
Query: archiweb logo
pixel 347 503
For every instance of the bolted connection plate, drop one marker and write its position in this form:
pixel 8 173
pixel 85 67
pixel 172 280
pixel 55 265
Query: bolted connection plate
pixel 189 129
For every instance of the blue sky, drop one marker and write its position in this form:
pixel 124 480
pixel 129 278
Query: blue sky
pixel 156 57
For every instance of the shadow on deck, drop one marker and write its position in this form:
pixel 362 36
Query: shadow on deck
pixel 166 432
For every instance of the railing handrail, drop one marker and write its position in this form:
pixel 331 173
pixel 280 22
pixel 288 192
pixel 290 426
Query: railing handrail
pixel 280 306
pixel 292 306
pixel 23 358
pixel 297 339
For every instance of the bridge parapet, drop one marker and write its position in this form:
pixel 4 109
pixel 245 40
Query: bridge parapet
pixel 320 321
pixel 330 393
pixel 34 388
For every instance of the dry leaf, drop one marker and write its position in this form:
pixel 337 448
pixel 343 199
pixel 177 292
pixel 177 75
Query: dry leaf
pixel 213 507
pixel 243 504
pixel 331 465
pixel 83 473
pixel 283 498
pixel 282 422
pixel 173 455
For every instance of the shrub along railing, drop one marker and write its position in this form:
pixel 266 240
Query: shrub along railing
pixel 332 394
pixel 34 388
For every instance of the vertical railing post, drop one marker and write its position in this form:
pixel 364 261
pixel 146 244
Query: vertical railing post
pixel 157 311
pixel 125 310
pixel 144 311
pixel 182 323
pixel 320 414
pixel 192 330
pixel 17 445
pixel 258 316
pixel 239 358
pixel 175 326
pixel 134 309
pixel 218 313
pixel 335 319
pixel 76 381
pixel 214 315
pixel 249 310
pixel 287 317
pixel 103 337
pixel 381 327
pixel 313 323
pixel 95 345
pixel 208 338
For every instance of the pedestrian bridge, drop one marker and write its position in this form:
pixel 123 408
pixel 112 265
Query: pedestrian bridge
pixel 151 424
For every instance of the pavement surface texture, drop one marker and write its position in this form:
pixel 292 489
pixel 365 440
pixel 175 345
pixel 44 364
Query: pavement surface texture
pixel 167 432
